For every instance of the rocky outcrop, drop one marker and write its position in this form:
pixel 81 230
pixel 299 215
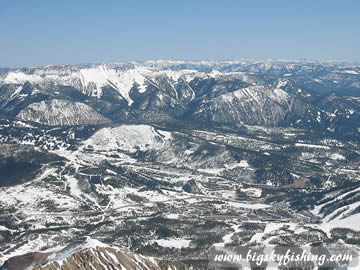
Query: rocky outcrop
pixel 27 261
pixel 109 258
pixel 90 254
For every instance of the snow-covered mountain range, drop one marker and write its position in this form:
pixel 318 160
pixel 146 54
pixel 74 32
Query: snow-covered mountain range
pixel 265 93
pixel 169 158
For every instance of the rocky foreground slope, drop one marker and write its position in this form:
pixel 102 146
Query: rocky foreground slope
pixel 90 254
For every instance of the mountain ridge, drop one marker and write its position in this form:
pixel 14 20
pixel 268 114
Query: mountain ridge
pixel 180 90
pixel 88 254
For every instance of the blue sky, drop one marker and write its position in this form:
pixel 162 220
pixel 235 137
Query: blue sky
pixel 40 32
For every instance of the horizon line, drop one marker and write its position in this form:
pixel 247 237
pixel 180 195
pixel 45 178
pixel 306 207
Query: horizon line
pixel 254 60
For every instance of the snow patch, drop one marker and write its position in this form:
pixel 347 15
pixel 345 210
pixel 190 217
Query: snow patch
pixel 249 205
pixel 312 146
pixel 173 243
pixel 350 72
pixel 337 157
pixel 128 138
pixel 20 77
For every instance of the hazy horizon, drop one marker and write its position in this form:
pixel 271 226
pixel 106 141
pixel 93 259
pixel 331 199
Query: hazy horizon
pixel 330 61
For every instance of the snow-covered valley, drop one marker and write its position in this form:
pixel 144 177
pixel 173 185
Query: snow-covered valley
pixel 169 162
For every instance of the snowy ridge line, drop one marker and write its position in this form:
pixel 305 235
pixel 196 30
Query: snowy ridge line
pixel 91 80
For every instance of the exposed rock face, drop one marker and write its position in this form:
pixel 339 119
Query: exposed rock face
pixel 108 258
pixel 191 187
pixel 99 257
pixel 57 112
pixel 27 261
